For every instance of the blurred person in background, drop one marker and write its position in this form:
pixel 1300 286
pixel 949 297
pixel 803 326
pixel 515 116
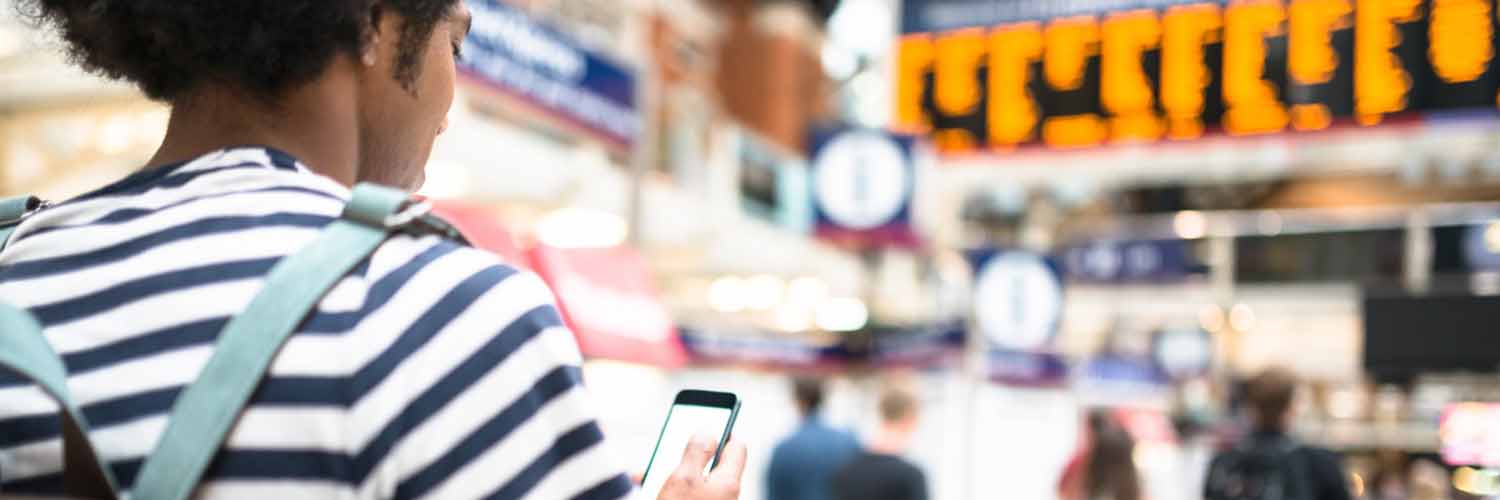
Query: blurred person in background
pixel 1389 481
pixel 879 472
pixel 1268 464
pixel 433 370
pixel 1428 479
pixel 803 463
pixel 1105 470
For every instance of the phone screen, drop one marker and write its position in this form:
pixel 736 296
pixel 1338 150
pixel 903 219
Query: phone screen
pixel 683 422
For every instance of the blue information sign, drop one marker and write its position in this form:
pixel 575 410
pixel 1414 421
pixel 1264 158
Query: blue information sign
pixel 512 53
pixel 1018 303
pixel 862 187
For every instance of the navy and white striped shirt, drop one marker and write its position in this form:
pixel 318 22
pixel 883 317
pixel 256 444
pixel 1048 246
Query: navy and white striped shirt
pixel 431 371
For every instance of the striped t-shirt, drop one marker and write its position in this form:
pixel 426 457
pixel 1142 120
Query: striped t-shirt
pixel 431 371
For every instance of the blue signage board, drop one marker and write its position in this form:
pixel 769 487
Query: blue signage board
pixel 1130 261
pixel 924 346
pixel 512 53
pixel 1018 305
pixel 1183 353
pixel 862 185
pixel 761 349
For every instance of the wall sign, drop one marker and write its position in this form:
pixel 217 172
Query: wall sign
pixel 512 53
pixel 921 346
pixel 981 75
pixel 1183 353
pixel 758 348
pixel 862 187
pixel 1018 302
pixel 1129 261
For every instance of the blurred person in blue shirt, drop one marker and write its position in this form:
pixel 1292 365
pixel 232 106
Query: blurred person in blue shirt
pixel 803 463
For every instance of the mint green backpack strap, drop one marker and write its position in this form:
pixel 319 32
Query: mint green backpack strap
pixel 12 210
pixel 204 413
pixel 25 351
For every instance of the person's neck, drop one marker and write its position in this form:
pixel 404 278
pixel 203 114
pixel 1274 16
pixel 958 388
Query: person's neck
pixel 317 123
pixel 890 441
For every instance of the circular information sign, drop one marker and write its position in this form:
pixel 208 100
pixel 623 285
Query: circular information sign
pixel 862 180
pixel 1017 301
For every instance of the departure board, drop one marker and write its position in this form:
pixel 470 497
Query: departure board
pixel 992 75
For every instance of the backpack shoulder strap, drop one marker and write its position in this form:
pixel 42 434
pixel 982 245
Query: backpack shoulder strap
pixel 208 408
pixel 25 351
pixel 12 211
pixel 203 415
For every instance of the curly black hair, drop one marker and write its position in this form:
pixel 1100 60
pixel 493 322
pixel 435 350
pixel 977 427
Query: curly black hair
pixel 264 47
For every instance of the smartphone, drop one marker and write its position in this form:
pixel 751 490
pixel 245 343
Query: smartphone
pixel 692 413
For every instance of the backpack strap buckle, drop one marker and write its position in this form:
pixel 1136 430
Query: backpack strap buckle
pixel 413 211
pixel 14 209
pixel 396 211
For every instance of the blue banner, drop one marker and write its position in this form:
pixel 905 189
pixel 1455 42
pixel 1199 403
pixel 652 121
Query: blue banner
pixel 1030 369
pixel 515 54
pixel 1018 303
pixel 761 348
pixel 862 187
pixel 1018 298
pixel 925 346
pixel 1130 261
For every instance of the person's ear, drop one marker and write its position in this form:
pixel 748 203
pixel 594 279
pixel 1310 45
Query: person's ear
pixel 378 34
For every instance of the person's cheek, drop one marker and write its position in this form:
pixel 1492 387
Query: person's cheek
pixel 440 83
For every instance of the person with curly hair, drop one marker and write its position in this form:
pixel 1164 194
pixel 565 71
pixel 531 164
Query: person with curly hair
pixel 432 370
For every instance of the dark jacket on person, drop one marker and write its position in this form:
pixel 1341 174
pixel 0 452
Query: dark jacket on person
pixel 1320 469
pixel 877 476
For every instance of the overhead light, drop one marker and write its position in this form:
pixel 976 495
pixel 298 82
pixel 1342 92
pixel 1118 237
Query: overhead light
pixel 806 291
pixel 764 291
pixel 794 318
pixel 1211 318
pixel 1492 237
pixel 1242 318
pixel 838 63
pixel 727 294
pixel 864 27
pixel 843 314
pixel 574 227
pixel 1190 224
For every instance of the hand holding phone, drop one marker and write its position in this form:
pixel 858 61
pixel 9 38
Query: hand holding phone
pixel 723 483
pixel 697 429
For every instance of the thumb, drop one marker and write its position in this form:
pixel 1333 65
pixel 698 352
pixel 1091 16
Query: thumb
pixel 697 455
pixel 731 464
